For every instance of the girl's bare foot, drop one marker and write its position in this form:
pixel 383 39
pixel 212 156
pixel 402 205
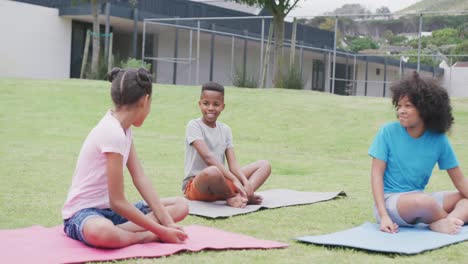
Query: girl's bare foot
pixel 237 201
pixel 255 199
pixel 148 236
pixel 449 225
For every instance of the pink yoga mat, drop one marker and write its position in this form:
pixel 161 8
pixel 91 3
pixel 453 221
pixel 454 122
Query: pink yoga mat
pixel 39 244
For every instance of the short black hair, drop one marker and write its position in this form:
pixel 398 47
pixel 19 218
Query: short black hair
pixel 212 86
pixel 429 97
pixel 129 85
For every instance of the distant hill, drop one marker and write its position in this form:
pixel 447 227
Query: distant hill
pixel 436 5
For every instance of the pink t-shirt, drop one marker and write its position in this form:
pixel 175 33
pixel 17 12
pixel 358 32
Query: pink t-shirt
pixel 89 183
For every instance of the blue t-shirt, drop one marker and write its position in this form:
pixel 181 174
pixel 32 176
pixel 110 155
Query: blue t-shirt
pixel 409 160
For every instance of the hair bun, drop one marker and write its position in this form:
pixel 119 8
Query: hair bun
pixel 143 77
pixel 113 74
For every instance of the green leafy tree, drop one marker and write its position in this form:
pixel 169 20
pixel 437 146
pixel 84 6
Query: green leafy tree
pixel 424 60
pixel 445 36
pixel 327 24
pixel 351 9
pixel 461 49
pixel 280 9
pixel 362 44
pixel 388 34
pixel 397 40
pixel 424 42
pixel 463 30
pixel 382 10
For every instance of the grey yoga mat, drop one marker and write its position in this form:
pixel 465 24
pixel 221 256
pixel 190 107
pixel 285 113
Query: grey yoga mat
pixel 271 199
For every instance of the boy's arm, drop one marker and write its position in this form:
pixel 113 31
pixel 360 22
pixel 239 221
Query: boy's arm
pixel 235 168
pixel 120 204
pixel 210 160
pixel 377 173
pixel 459 180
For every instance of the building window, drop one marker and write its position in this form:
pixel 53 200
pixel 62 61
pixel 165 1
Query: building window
pixel 377 71
pixel 318 75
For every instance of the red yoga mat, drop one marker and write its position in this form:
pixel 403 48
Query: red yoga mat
pixel 39 244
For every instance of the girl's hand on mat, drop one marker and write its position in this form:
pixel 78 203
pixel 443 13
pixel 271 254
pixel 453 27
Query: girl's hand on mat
pixel 173 235
pixel 387 225
pixel 176 226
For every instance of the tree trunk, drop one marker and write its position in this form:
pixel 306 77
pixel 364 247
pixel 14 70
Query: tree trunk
pixel 278 21
pixel 106 37
pixel 95 4
pixel 292 54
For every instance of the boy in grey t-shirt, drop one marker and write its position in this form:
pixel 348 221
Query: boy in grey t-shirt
pixel 208 143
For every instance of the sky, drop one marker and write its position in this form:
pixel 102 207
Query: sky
pixel 318 7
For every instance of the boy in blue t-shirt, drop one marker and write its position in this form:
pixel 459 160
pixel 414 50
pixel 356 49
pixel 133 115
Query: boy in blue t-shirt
pixel 404 154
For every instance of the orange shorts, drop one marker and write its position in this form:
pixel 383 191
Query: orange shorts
pixel 192 193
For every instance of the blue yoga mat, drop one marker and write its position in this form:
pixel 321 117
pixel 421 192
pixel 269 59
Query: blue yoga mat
pixel 407 241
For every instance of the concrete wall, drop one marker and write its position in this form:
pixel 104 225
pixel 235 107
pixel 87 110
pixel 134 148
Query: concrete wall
pixel 36 42
pixel 375 82
pixel 454 80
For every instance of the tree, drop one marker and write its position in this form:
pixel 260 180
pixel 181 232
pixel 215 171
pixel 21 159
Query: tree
pixel 95 5
pixel 423 60
pixel 351 9
pixel 388 34
pixel 362 44
pixel 280 9
pixel 382 10
pixel 95 8
pixel 461 49
pixel 445 36
pixel 327 24
pixel 463 30
pixel 397 40
pixel 96 36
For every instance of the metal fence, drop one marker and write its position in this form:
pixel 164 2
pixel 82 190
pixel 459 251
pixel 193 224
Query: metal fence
pixel 332 59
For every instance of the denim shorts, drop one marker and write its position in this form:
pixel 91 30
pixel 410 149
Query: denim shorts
pixel 73 226
pixel 391 200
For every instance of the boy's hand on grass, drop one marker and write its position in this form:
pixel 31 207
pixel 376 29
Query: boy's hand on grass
pixel 387 225
pixel 173 235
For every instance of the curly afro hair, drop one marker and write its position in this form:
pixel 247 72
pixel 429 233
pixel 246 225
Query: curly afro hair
pixel 429 97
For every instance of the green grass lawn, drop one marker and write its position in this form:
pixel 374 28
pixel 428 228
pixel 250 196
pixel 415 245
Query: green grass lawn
pixel 314 141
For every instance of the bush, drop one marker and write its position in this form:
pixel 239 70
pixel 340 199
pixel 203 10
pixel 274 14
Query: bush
pixel 134 63
pixel 460 49
pixel 292 79
pixel 101 70
pixel 247 80
pixel 363 44
pixel 397 40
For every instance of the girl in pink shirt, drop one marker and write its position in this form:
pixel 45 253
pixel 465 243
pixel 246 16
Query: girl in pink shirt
pixel 96 211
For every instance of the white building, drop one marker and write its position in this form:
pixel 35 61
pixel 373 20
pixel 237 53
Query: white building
pixel 47 40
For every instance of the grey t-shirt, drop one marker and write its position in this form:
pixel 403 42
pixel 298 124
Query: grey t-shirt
pixel 218 139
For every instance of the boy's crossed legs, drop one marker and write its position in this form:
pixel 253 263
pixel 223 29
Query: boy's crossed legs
pixel 211 185
pixel 420 207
